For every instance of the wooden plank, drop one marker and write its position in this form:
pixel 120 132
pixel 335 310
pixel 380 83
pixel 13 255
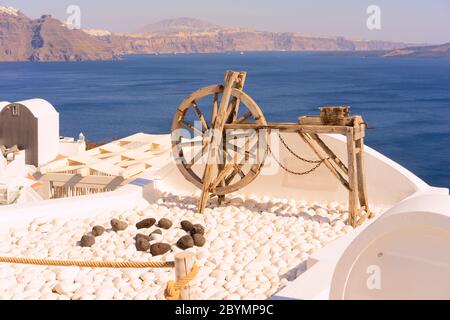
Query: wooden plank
pixel 191 127
pixel 214 109
pixel 310 120
pixel 352 180
pixel 309 141
pixel 233 112
pixel 288 127
pixel 329 152
pixel 230 79
pixel 360 166
pixel 200 116
pixel 221 176
pixel 184 262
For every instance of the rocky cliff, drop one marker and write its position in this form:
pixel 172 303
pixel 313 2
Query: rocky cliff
pixel 46 39
pixel 187 35
pixel 436 51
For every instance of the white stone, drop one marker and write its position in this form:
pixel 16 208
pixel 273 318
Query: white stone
pixel 105 293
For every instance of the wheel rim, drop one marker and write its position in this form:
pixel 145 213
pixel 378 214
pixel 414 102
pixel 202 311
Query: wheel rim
pixel 241 156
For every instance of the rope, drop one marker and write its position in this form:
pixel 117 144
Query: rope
pixel 173 289
pixel 90 264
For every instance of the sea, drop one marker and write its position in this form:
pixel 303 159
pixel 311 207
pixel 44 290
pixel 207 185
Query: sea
pixel 405 101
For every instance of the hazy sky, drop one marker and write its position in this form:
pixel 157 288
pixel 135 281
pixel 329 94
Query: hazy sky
pixel 425 21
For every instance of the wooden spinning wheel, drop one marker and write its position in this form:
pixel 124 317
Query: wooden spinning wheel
pixel 204 151
pixel 220 142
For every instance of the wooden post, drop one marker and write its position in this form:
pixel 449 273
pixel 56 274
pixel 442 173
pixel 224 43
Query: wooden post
pixel 362 189
pixel 233 112
pixel 352 179
pixel 183 266
pixel 230 79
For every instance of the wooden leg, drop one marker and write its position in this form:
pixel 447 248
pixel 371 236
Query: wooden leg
pixel 352 179
pixel 362 190
pixel 230 79
pixel 220 166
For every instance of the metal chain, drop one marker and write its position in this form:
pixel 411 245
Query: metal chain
pixel 294 154
pixel 297 173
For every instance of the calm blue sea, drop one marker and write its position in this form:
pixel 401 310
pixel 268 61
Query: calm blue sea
pixel 406 101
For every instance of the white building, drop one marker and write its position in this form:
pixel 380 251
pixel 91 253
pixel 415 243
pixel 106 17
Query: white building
pixel 32 125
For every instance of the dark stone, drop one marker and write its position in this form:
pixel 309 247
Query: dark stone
pixel 97 231
pixel 159 248
pixel 185 242
pixel 164 223
pixel 118 225
pixel 142 236
pixel 146 223
pixel 199 240
pixel 142 244
pixel 87 241
pixel 198 229
pixel 186 226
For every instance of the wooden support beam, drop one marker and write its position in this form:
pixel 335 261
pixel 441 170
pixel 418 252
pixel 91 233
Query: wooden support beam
pixel 230 79
pixel 184 262
pixel 288 127
pixel 352 179
pixel 317 150
pixel 360 166
pixel 329 152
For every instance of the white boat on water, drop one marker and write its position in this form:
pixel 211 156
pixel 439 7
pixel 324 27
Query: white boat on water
pixel 280 237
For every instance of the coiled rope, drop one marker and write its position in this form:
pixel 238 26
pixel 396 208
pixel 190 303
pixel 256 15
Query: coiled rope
pixel 173 288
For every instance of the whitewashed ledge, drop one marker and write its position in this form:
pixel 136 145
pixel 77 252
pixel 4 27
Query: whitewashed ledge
pixel 136 193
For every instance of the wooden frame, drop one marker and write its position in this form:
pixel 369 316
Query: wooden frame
pixel 333 120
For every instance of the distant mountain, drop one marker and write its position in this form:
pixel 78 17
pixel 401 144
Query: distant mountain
pixel 436 51
pixel 183 24
pixel 187 35
pixel 46 39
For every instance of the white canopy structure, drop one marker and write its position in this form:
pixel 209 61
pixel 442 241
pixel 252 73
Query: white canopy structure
pixel 101 169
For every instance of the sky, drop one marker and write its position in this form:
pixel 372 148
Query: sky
pixel 413 21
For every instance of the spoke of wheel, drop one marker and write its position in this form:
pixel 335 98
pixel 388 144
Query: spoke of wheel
pixel 191 143
pixel 200 115
pixel 238 167
pixel 226 170
pixel 197 157
pixel 243 150
pixel 233 110
pixel 244 117
pixel 214 110
pixel 191 127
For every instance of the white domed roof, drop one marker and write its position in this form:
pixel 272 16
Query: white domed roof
pixel 39 107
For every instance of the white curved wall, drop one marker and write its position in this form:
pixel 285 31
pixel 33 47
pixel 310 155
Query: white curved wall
pixel 402 255
pixel 388 182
